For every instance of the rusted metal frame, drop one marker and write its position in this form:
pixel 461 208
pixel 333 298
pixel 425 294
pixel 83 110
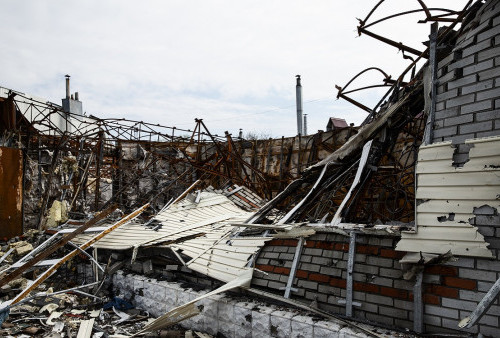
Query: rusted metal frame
pixel 55 156
pixel 89 256
pixel 219 148
pixel 70 176
pixel 366 87
pixel 82 180
pixel 98 159
pixel 354 102
pixel 281 162
pixel 440 36
pixel 398 45
pixel 137 176
pixel 245 165
pixel 448 12
pixel 72 254
pixel 170 185
pixel 237 156
pixel 292 212
pixel 57 245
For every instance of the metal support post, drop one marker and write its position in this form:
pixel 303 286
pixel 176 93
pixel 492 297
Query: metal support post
pixel 350 270
pixel 295 264
pixel 418 308
pixel 429 127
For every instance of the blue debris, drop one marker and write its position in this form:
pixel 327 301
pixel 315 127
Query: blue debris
pixel 118 303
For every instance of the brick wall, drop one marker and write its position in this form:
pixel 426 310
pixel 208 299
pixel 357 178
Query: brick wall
pixel 451 291
pixel 468 100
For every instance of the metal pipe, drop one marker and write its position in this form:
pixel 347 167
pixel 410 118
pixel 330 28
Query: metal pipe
pixel 298 96
pixel 67 86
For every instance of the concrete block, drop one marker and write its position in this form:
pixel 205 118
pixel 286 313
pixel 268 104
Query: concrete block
pixel 261 321
pixel 302 327
pixel 171 294
pixel 476 87
pixel 459 120
pixel 281 324
pixel 488 94
pixel 460 100
pixel 472 69
pixel 225 308
pixel 489 74
pixel 447 95
pixel 489 276
pixel 446 113
pixel 326 329
pixel 466 80
pixel 383 300
pixel 476 48
pixel 138 283
pixel 476 127
pixel 350 332
pixel 243 314
pixel 309 267
pixel 393 312
pixel 380 261
pixel 211 325
pixel 227 329
pixel 471 295
pixel 465 61
pixel 488 54
pixel 403 304
pixel 392 273
pixel 458 304
pixel 440 311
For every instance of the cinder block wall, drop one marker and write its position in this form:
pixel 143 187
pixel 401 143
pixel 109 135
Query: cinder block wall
pixel 468 100
pixel 451 290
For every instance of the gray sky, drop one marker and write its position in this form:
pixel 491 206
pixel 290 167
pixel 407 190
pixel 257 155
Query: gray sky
pixel 232 63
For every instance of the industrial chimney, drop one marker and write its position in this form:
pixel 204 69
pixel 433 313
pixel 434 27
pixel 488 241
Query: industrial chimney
pixel 298 94
pixel 67 86
pixel 71 103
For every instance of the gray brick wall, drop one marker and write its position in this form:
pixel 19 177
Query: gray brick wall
pixel 467 104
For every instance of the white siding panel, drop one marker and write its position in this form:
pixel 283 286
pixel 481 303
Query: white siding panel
pixel 447 197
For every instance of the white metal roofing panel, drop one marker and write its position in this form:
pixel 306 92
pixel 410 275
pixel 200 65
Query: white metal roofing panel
pixel 183 219
pixel 448 196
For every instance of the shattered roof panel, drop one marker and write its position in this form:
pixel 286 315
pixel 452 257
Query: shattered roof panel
pixel 184 219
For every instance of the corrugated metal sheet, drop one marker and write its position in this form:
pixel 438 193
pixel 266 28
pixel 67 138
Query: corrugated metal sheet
pixel 213 252
pixel 212 214
pixel 447 197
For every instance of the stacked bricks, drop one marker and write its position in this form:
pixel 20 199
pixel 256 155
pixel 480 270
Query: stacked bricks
pixel 468 100
pixel 244 197
pixel 450 291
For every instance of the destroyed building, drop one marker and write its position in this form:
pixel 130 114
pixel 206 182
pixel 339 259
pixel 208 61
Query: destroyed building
pixel 393 224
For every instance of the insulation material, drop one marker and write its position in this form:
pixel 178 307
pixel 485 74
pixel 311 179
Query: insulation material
pixel 449 197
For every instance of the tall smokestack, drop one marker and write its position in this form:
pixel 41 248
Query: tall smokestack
pixel 67 87
pixel 298 94
pixel 305 124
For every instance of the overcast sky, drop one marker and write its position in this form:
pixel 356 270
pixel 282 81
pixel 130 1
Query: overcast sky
pixel 232 63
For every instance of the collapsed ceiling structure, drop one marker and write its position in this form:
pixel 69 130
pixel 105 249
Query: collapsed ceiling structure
pixel 394 222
